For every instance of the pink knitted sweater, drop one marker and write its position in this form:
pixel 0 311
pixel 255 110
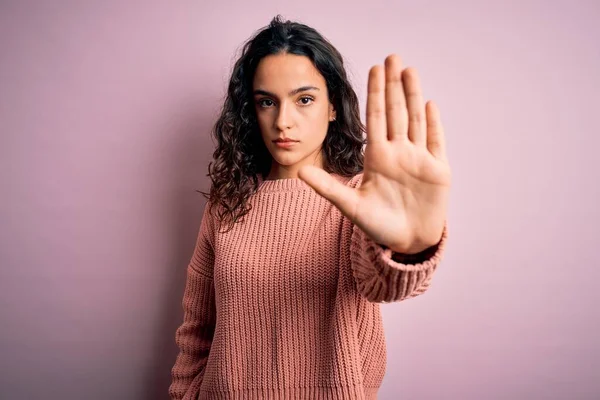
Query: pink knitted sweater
pixel 285 305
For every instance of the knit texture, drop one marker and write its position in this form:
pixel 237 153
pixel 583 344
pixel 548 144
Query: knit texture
pixel 286 305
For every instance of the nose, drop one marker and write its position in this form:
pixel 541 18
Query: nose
pixel 283 120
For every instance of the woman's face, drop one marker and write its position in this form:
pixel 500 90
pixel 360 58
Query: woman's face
pixel 291 102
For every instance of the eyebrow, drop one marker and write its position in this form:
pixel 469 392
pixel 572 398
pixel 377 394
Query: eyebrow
pixel 293 92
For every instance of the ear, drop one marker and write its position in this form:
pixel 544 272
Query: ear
pixel 332 113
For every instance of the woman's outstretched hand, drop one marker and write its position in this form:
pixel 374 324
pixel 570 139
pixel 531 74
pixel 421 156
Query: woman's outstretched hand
pixel 403 197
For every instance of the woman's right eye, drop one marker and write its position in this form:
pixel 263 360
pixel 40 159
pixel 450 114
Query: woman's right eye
pixel 262 102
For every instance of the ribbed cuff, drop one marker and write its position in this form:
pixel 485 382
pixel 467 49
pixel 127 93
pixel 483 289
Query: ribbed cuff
pixel 383 275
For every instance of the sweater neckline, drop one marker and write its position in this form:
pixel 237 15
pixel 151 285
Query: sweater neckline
pixel 284 184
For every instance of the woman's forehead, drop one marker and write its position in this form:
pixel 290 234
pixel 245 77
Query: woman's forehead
pixel 286 72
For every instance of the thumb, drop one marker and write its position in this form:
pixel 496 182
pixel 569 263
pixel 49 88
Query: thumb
pixel 340 195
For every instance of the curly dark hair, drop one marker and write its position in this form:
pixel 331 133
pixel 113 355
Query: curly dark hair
pixel 241 154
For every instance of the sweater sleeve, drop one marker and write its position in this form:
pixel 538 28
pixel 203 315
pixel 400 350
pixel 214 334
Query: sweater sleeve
pixel 384 276
pixel 194 336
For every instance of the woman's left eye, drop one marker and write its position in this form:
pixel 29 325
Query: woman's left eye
pixel 306 98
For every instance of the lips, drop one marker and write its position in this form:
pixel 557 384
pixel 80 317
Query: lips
pixel 286 140
pixel 285 143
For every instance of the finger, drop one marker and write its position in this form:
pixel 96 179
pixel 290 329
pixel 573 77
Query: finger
pixel 395 102
pixel 376 124
pixel 343 197
pixel 436 142
pixel 417 125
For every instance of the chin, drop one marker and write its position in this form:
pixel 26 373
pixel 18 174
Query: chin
pixel 286 159
pixel 285 156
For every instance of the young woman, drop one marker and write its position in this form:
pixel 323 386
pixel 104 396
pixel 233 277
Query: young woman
pixel 307 230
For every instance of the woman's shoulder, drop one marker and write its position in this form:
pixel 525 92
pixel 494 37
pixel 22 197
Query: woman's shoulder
pixel 352 181
pixel 210 219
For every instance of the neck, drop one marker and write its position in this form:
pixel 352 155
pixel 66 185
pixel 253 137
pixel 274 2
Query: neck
pixel 279 171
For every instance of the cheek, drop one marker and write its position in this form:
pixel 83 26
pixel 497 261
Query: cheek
pixel 264 123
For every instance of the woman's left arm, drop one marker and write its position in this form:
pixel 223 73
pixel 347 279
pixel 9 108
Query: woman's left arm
pixel 384 276
pixel 400 199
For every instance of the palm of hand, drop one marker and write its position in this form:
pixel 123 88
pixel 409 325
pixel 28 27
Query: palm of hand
pixel 403 196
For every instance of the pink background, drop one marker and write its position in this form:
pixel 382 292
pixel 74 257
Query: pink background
pixel 105 112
